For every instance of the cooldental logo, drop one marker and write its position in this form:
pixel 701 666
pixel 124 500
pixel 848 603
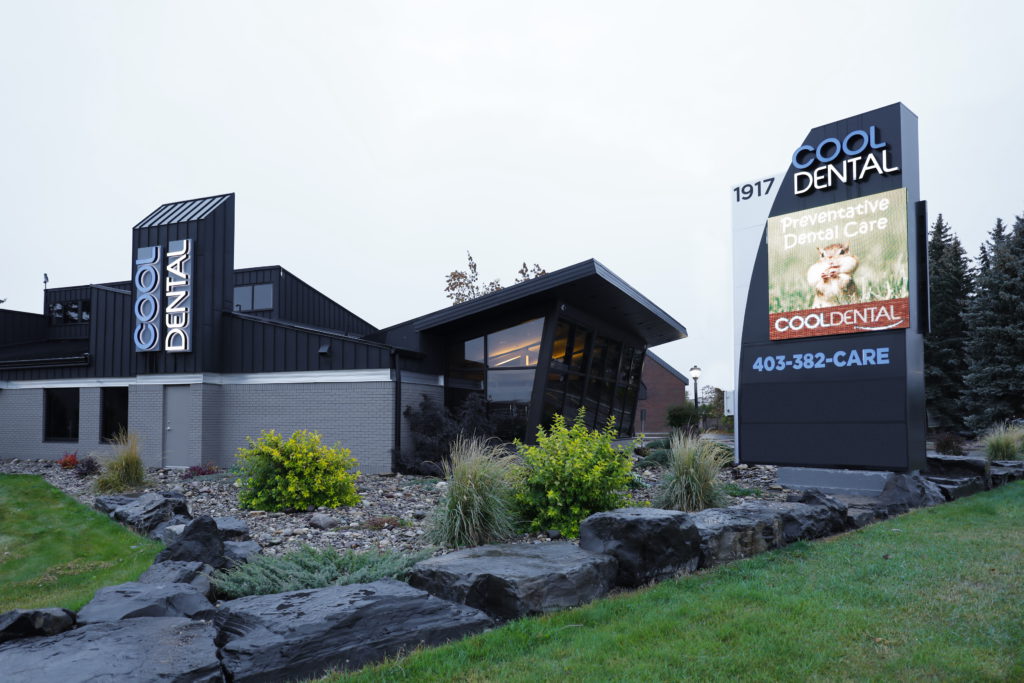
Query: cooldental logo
pixel 852 159
pixel 865 319
pixel 178 288
pixel 147 304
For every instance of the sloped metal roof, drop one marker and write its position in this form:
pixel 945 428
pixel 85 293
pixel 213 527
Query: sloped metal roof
pixel 181 212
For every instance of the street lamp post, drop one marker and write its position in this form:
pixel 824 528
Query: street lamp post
pixel 695 374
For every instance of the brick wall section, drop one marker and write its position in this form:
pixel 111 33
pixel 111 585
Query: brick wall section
pixel 146 420
pixel 359 415
pixel 663 390
pixel 21 426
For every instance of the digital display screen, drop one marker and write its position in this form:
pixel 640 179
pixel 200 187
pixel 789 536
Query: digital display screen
pixel 839 268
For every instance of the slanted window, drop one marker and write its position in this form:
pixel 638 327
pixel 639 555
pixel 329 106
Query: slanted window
pixel 254 297
pixel 60 414
pixel 114 412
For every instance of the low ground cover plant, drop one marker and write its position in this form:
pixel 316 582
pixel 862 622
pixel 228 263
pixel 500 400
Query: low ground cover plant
pixel 308 567
pixel 478 504
pixel 87 467
pixel 56 552
pixel 125 470
pixel 1004 441
pixel 201 470
pixel 295 473
pixel 570 474
pixel 949 443
pixel 69 461
pixel 691 480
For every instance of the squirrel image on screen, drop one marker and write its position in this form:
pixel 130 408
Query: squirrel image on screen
pixel 831 276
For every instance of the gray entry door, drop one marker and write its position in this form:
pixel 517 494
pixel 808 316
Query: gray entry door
pixel 177 409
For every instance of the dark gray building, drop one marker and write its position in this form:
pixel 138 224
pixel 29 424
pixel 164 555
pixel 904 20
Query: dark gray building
pixel 194 355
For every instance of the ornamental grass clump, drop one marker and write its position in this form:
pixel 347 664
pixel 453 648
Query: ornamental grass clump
pixel 308 568
pixel 478 506
pixel 295 474
pixel 572 473
pixel 1004 441
pixel 125 470
pixel 691 482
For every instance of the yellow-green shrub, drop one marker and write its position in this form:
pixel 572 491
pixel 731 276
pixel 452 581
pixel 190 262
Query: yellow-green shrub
pixel 570 474
pixel 295 474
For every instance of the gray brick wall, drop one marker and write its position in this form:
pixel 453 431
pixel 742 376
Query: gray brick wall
pixel 359 415
pixel 146 419
pixel 21 426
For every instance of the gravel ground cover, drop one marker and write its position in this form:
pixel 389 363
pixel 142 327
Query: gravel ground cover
pixel 393 514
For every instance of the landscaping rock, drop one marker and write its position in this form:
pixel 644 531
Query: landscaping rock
pixel 839 510
pixel 303 634
pixel 194 573
pixel 239 552
pixel 649 544
pixel 107 504
pixel 136 599
pixel 800 521
pixel 25 623
pixel 322 521
pixel 510 581
pixel 232 528
pixel 169 531
pixel 148 511
pixel 199 542
pixel 1005 471
pixel 144 650
pixel 862 510
pixel 958 487
pixel 959 466
pixel 729 534
pixel 907 491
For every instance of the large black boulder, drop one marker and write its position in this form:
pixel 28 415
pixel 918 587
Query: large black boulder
pixel 733 533
pixel 303 634
pixel 649 544
pixel 959 466
pixel 144 650
pixel 148 511
pixel 513 580
pixel 194 573
pixel 957 487
pixel 800 521
pixel 134 599
pixel 232 528
pixel 24 623
pixel 839 513
pixel 1005 471
pixel 107 504
pixel 199 542
pixel 905 492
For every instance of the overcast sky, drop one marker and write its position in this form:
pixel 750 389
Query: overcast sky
pixel 372 144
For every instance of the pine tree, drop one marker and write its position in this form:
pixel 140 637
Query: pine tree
pixel 994 383
pixel 944 356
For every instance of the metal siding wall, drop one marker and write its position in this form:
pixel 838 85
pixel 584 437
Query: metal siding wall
pixel 303 304
pixel 19 327
pixel 110 332
pixel 265 347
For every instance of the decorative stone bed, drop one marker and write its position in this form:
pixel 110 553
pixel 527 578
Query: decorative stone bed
pixel 163 627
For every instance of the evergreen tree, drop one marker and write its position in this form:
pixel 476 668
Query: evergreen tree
pixel 994 383
pixel 944 357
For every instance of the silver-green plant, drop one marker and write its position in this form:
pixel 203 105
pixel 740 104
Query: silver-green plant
pixel 691 480
pixel 477 507
pixel 124 471
pixel 1004 441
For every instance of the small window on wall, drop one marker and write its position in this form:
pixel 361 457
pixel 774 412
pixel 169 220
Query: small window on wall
pixel 114 412
pixel 254 297
pixel 60 414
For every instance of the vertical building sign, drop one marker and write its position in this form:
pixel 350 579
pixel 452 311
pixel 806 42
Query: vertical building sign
pixel 829 361
pixel 147 299
pixel 178 314
pixel 176 329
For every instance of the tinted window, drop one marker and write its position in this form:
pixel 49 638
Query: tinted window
pixel 114 408
pixel 243 298
pixel 60 414
pixel 516 346
pixel 262 297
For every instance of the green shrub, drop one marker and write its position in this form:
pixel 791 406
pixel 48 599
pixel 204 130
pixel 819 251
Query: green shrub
pixel 691 483
pixel 1003 441
pixel 477 507
pixel 295 474
pixel 570 474
pixel 124 471
pixel 657 444
pixel 949 444
pixel 682 416
pixel 308 567
pixel 657 457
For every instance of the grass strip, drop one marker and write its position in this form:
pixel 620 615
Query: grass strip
pixel 934 594
pixel 55 552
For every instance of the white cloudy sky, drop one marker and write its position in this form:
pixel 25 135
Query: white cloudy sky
pixel 371 144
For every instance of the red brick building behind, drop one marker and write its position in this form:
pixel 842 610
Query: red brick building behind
pixel 661 386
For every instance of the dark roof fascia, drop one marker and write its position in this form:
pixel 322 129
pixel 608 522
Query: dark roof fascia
pixel 663 363
pixel 334 334
pixel 105 288
pixel 538 285
pixel 33 363
pixel 183 211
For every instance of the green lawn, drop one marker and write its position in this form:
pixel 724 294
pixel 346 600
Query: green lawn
pixel 55 552
pixel 937 594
